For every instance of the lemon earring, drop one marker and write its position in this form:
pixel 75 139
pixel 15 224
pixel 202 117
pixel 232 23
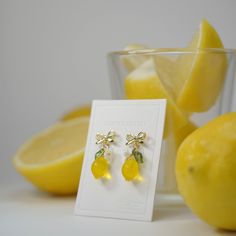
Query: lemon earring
pixel 130 168
pixel 100 166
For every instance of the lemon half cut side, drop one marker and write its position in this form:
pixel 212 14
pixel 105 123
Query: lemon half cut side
pixel 52 160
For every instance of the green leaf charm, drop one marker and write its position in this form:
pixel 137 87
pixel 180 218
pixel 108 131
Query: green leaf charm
pixel 138 156
pixel 100 153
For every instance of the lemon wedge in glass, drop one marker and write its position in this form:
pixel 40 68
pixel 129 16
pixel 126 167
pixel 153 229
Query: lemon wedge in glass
pixel 132 61
pixel 144 83
pixel 202 73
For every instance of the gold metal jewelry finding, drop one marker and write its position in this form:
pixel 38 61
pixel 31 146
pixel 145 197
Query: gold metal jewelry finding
pixel 135 140
pixel 105 140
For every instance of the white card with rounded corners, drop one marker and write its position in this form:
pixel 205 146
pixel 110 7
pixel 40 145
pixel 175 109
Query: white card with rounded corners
pixel 113 196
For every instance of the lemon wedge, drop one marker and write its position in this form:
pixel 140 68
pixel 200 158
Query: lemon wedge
pixel 166 68
pixel 144 83
pixel 202 74
pixel 181 133
pixel 52 160
pixel 133 61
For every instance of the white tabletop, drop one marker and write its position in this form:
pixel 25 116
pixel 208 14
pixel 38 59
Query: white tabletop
pixel 26 211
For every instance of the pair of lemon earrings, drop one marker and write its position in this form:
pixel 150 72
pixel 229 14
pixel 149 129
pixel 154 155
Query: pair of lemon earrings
pixel 131 166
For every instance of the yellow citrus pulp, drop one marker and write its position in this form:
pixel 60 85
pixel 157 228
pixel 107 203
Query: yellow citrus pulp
pixel 202 74
pixel 145 83
pixel 206 171
pixel 52 160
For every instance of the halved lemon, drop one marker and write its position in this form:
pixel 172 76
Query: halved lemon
pixel 52 160
pixel 202 74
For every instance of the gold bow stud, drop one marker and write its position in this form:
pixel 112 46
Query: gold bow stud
pixel 135 140
pixel 105 140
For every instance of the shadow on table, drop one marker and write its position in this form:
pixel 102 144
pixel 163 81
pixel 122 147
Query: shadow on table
pixel 168 213
pixel 225 232
pixel 182 212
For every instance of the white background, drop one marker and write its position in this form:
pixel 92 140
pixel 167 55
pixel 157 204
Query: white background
pixel 52 53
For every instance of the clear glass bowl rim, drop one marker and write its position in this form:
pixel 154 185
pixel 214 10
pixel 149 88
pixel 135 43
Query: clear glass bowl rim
pixel 172 50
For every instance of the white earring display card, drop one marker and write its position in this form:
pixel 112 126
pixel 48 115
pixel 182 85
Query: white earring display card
pixel 113 196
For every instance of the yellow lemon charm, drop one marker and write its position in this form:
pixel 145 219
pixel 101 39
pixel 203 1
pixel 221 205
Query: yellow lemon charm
pixel 100 167
pixel 101 164
pixel 130 168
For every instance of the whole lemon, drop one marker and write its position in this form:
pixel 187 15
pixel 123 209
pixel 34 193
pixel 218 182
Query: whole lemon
pixel 206 171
